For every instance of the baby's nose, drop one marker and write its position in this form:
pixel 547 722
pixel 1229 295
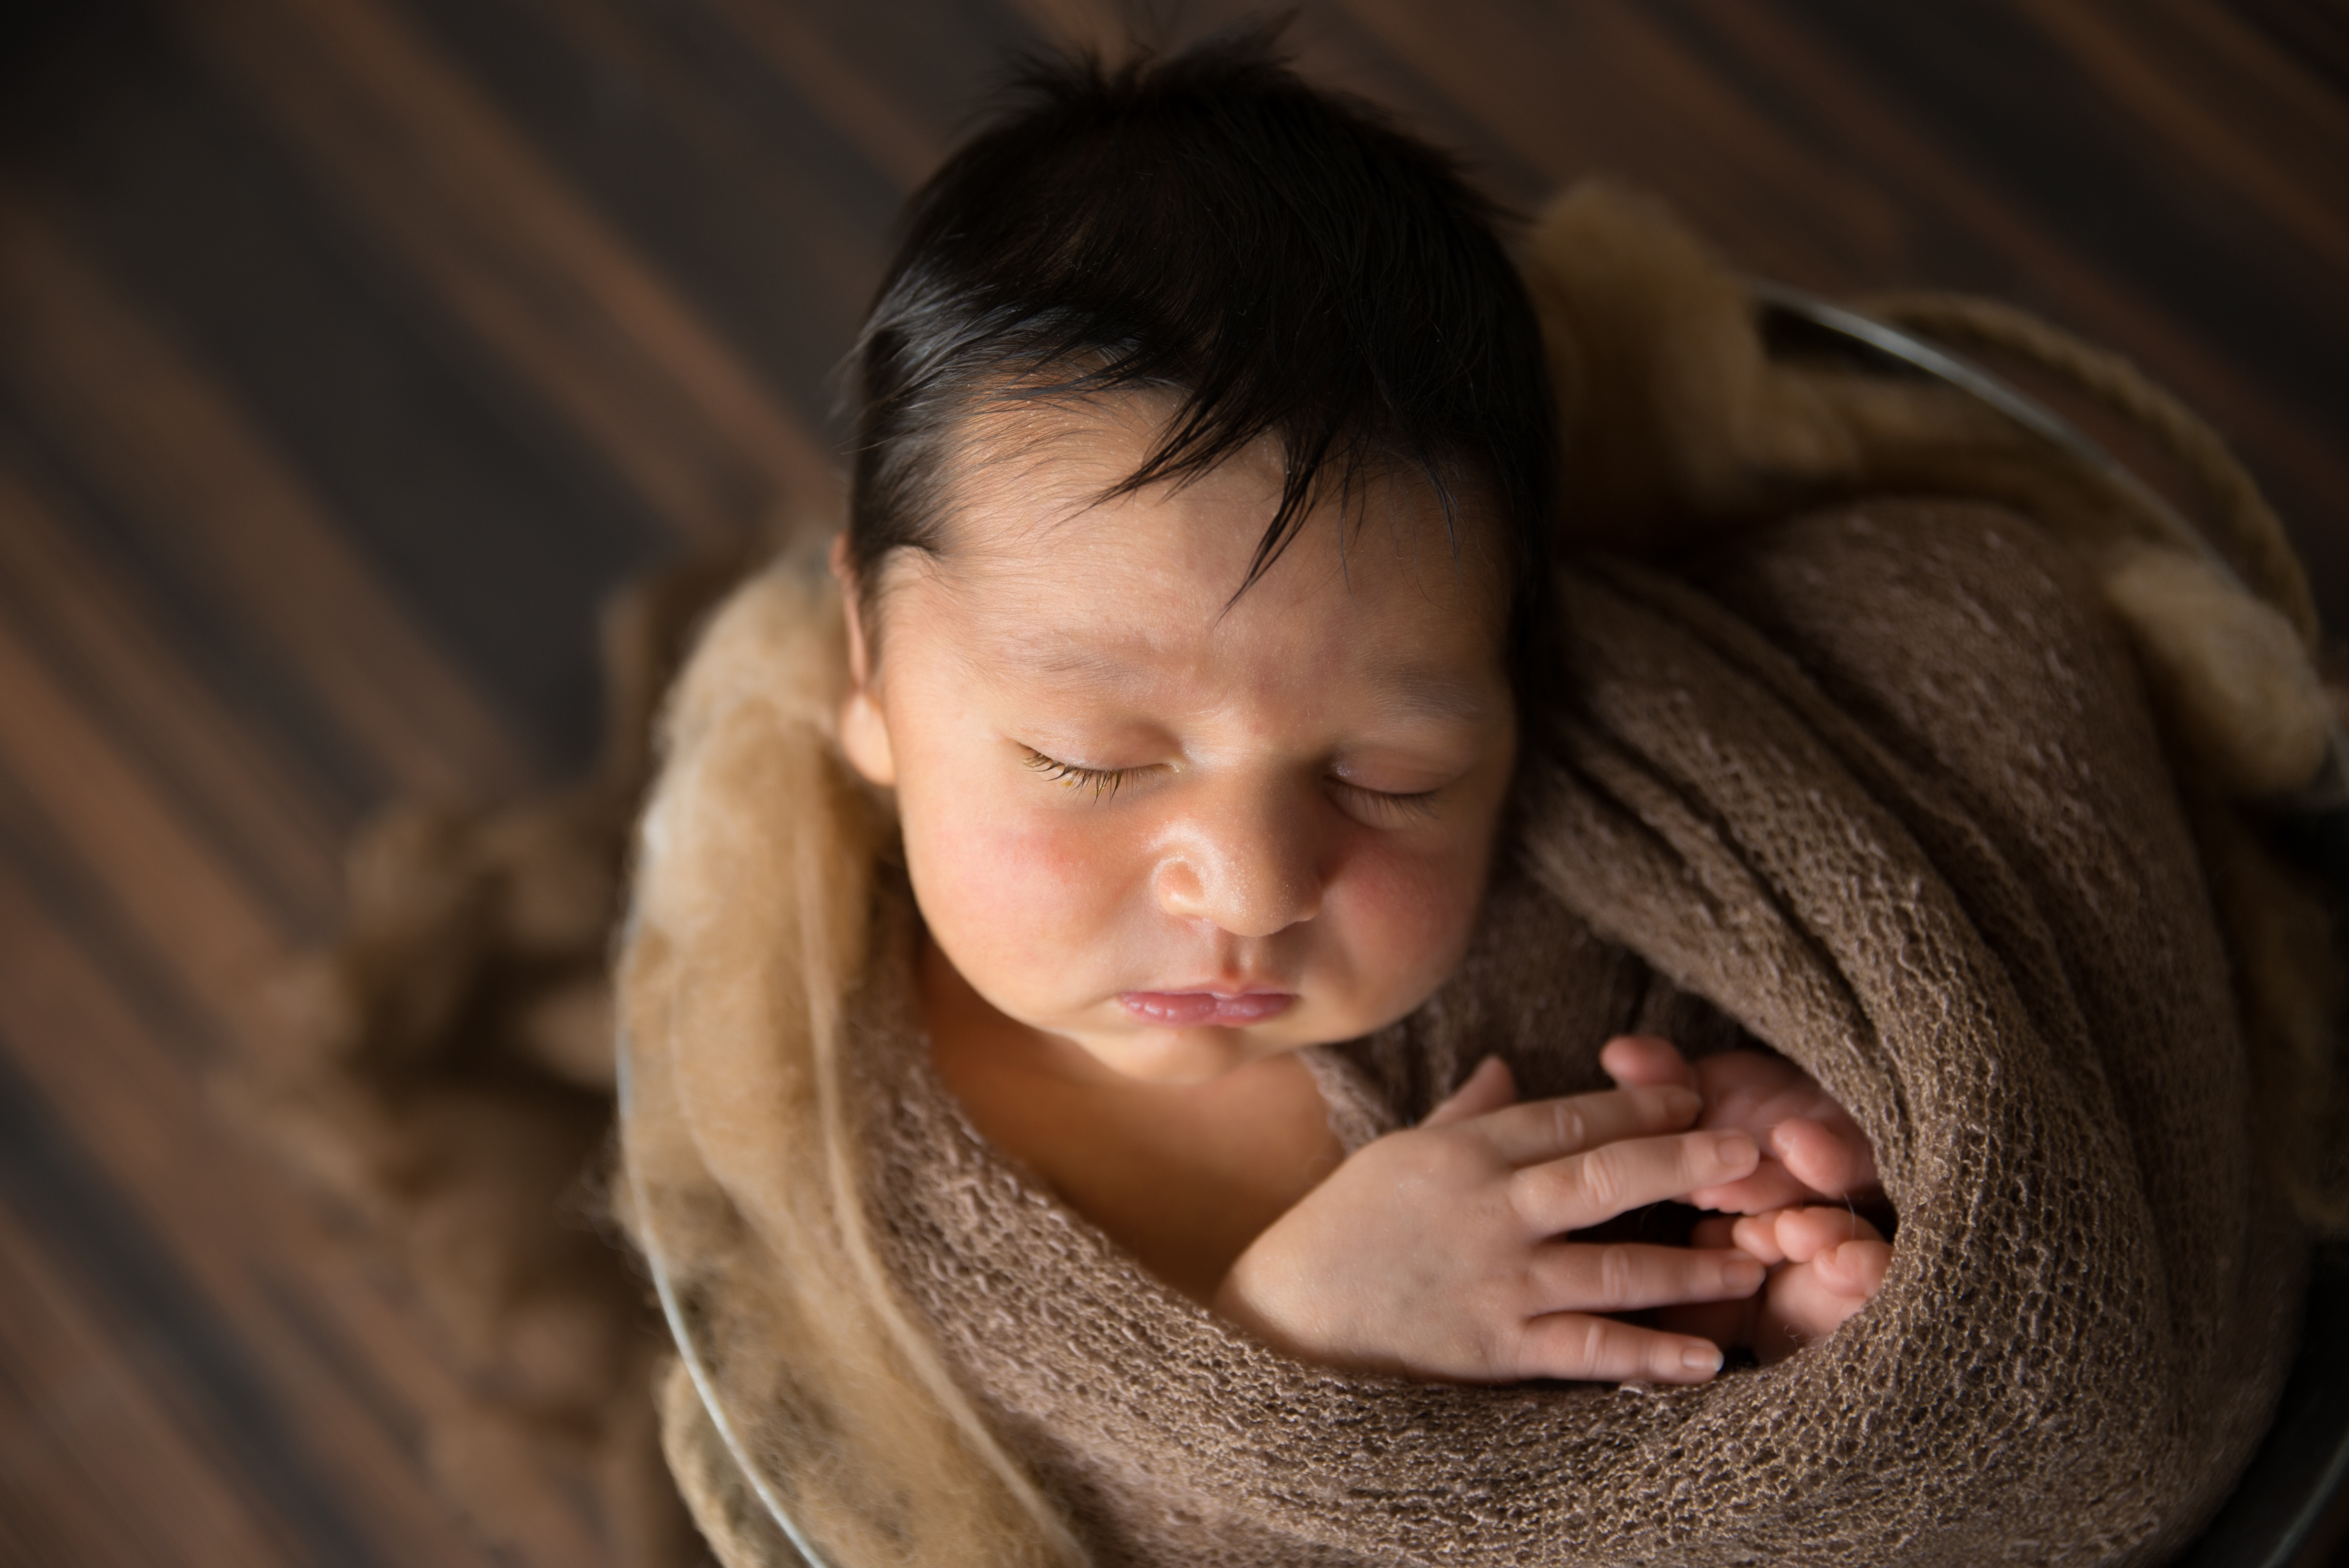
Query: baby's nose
pixel 1252 869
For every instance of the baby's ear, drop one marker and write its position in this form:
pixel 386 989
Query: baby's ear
pixel 863 733
pixel 865 738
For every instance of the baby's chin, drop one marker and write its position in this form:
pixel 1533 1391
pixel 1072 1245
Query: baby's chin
pixel 1204 1053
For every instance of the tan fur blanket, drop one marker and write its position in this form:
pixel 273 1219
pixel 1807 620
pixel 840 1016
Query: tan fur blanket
pixel 1882 783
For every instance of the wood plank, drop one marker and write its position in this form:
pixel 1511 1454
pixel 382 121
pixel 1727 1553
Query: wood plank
pixel 166 882
pixel 281 1356
pixel 218 500
pixel 1973 235
pixel 799 50
pixel 440 178
pixel 1101 27
pixel 2251 123
pixel 1603 88
pixel 760 214
pixel 2316 37
pixel 88 630
pixel 97 1468
pixel 479 510
pixel 933 60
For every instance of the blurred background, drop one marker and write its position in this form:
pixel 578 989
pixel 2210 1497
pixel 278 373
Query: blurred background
pixel 352 351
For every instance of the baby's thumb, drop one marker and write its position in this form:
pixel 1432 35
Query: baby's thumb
pixel 1645 1061
pixel 1489 1088
pixel 1833 1162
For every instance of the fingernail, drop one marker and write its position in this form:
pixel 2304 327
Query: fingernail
pixel 1705 1359
pixel 1683 1101
pixel 1742 1273
pixel 1735 1149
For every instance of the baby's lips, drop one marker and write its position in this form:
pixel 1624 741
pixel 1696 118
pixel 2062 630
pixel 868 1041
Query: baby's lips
pixel 1196 1009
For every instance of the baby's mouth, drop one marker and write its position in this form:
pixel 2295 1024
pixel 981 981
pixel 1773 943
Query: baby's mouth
pixel 1205 1009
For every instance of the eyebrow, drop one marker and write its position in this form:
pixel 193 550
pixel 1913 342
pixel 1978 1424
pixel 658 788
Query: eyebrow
pixel 1416 689
pixel 1424 693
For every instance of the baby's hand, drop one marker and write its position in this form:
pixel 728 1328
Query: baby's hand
pixel 1436 1252
pixel 1824 1265
pixel 1811 1148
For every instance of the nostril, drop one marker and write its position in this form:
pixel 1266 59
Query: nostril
pixel 1180 891
pixel 1252 872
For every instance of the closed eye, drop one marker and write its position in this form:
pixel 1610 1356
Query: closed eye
pixel 1381 808
pixel 1102 781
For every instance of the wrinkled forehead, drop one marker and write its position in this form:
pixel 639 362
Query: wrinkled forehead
pixel 1033 493
pixel 1022 465
pixel 1049 576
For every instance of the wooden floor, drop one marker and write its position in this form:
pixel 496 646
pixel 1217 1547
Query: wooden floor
pixel 351 350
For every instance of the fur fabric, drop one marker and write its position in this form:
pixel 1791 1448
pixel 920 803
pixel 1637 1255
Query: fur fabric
pixel 1680 426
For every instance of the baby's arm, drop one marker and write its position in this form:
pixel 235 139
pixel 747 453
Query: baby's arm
pixel 1824 1261
pixel 1437 1252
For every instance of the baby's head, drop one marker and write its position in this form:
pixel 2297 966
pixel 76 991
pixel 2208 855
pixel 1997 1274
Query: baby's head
pixel 1204 463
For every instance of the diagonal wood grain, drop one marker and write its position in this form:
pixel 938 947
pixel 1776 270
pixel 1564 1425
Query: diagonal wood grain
pixel 98 639
pixel 182 1249
pixel 208 488
pixel 444 181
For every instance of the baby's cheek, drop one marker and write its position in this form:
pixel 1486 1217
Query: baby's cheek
pixel 1404 920
pixel 1007 896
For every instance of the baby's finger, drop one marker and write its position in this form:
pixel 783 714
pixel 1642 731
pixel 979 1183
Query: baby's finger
pixel 1855 1269
pixel 1772 1186
pixel 1542 1129
pixel 1718 1231
pixel 1645 1061
pixel 1584 1189
pixel 1804 1306
pixel 1487 1089
pixel 1725 1323
pixel 1581 1277
pixel 1806 1232
pixel 1831 1160
pixel 1577 1347
pixel 1756 1236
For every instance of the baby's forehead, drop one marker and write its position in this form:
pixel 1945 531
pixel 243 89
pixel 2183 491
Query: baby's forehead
pixel 1020 460
pixel 1047 574
pixel 1403 680
pixel 1045 484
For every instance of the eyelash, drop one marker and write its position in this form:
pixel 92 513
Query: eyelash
pixel 1104 781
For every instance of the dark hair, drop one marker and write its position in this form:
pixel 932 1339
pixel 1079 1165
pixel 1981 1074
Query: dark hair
pixel 1281 260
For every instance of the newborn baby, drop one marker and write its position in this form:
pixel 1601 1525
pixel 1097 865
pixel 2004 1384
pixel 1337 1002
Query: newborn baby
pixel 1197 571
pixel 1162 838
